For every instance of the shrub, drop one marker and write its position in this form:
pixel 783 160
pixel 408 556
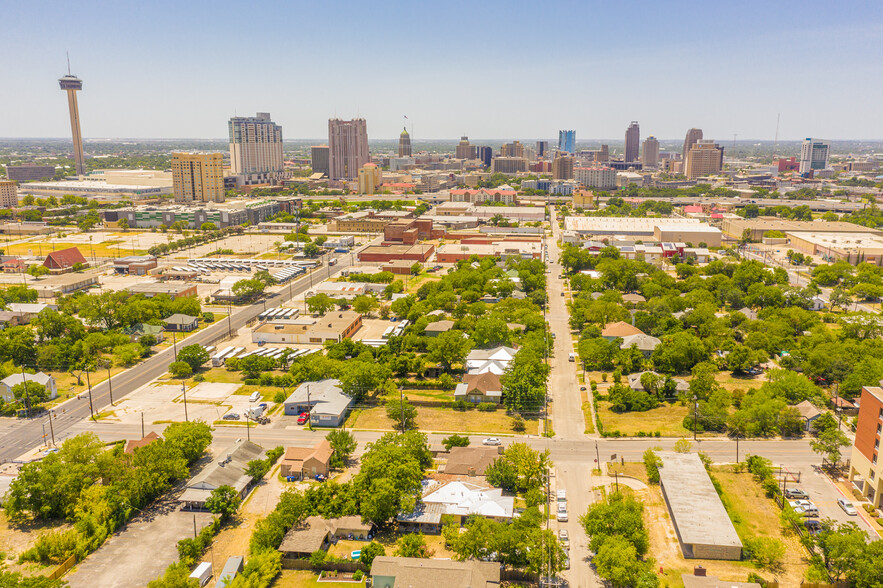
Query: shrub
pixel 190 550
pixel 199 378
pixel 279 397
pixel 652 463
pixel 518 424
pixel 357 575
pixel 317 558
pixel 765 552
pixel 487 407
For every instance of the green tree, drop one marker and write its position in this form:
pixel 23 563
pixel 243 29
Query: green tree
pixel 180 369
pixel 616 560
pixel 364 304
pixel 224 501
pixel 370 551
pixel 194 356
pixel 311 250
pixel 741 358
pixel 343 444
pixel 829 444
pixel 176 575
pixel 449 348
pixel 37 270
pixel 455 441
pixel 842 547
pixel 412 545
pixel 248 288
pixel 358 378
pixel 208 227
pixel 679 353
pixel 253 366
pixel 402 413
pixel 30 394
pixel 320 303
pixel 619 516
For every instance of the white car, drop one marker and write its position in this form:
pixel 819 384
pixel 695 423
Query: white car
pixel 847 507
pixel 564 538
pixel 562 513
pixel 492 441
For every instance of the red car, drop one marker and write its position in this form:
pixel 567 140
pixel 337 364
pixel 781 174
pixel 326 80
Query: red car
pixel 303 418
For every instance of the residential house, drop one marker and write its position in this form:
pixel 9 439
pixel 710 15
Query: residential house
pixel 10 382
pixel 30 309
pixel 471 461
pixel 139 330
pixel 133 444
pixel 809 413
pixel 620 329
pixel 412 572
pixel 645 343
pixel 181 323
pixel 13 319
pixel 64 260
pixel 315 534
pixel 633 298
pixel 459 500
pixel 635 381
pixel 14 266
pixel 437 328
pixel 228 469
pixel 306 462
pixel 480 387
pixel 324 400
pixel 494 360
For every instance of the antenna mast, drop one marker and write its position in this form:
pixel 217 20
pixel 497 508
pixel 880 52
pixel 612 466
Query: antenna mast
pixel 776 143
pixel 67 53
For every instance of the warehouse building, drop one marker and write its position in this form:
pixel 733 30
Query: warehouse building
pixel 703 527
pixel 388 253
pixel 758 227
pixel 852 248
pixel 624 225
pixel 334 327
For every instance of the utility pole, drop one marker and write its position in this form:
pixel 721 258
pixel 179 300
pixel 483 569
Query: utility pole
pixel 184 390
pixel 737 448
pixel 51 428
pixel 142 424
pixel 402 407
pixel 175 344
pixel 309 410
pixel 110 384
pixel 695 415
pixel 247 426
pixel 24 380
pixel 598 455
pixel 89 384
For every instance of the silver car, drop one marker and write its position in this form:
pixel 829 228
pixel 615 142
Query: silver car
pixel 847 507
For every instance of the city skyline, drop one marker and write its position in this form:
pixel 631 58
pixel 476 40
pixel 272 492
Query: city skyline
pixel 745 79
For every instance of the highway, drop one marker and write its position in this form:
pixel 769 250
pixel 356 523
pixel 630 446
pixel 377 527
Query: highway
pixel 18 436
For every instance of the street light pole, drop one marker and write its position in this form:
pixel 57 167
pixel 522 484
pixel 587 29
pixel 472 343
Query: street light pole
pixel 89 384
pixel 175 344
pixel 184 390
pixel 109 384
pixel 695 415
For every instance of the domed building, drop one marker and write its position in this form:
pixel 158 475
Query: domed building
pixel 404 144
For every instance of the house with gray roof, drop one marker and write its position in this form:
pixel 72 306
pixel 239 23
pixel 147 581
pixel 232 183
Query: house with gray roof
pixel 227 469
pixel 646 344
pixel 10 382
pixel 324 400
pixel 182 323
pixel 413 572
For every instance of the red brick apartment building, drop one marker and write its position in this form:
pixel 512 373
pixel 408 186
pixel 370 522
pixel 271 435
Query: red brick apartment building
pixel 865 465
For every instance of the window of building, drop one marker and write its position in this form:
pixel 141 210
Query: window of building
pixel 874 461
pixel 877 444
pixel 872 475
pixel 879 428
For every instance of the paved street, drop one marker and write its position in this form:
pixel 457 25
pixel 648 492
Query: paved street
pixel 17 436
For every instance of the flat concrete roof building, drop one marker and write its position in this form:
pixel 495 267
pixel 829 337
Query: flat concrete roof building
pixel 623 225
pixel 854 247
pixel 703 527
pixel 758 227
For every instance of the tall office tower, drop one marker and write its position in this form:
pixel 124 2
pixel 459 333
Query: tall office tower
pixel 404 144
pixel 813 155
pixel 513 149
pixel 485 154
pixel 705 157
pixel 319 159
pixel 255 148
pixel 602 155
pixel 72 84
pixel 348 148
pixel 567 141
pixel 465 149
pixel 8 194
pixel 198 177
pixel 562 167
pixel 632 142
pixel 693 135
pixel 650 152
pixel 542 149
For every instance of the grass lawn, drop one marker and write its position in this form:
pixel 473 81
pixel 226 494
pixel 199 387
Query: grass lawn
pixel 587 412
pixel 430 394
pixel 305 579
pixel 632 469
pixel 731 382
pixel 444 420
pixel 106 249
pixel 667 419
pixel 222 376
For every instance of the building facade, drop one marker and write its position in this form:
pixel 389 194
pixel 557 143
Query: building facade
pixel 864 465
pixel 465 149
pixel 30 173
pixel 567 141
pixel 198 177
pixel 562 167
pixel 650 152
pixel 8 194
pixel 347 148
pixel 704 158
pixel 370 178
pixel 404 144
pixel 319 159
pixel 693 136
pixel 814 155
pixel 256 148
pixel 596 177
pixel 542 148
pixel 509 165
pixel 632 142
pixel 485 154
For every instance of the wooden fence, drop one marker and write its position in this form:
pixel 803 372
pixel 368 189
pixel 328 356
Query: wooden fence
pixel 304 564
pixel 63 568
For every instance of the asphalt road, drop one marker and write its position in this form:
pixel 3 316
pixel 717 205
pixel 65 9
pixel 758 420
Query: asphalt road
pixel 18 436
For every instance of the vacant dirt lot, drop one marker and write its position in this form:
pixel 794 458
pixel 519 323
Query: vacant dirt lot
pixel 444 420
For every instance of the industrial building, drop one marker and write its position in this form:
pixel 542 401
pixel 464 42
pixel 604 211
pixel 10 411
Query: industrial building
pixel 703 527
pixel 334 327
pixel 758 227
pixel 388 253
pixel 454 252
pixel 95 189
pixel 619 225
pixel 854 248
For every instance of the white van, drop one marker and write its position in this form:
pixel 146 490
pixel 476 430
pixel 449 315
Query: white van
pixel 255 396
pixel 571 357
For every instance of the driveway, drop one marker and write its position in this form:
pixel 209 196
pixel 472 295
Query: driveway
pixel 824 493
pixel 140 551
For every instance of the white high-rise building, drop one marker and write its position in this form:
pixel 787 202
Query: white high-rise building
pixel 814 155
pixel 256 148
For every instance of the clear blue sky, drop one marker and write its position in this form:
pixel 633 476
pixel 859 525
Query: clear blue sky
pixel 490 69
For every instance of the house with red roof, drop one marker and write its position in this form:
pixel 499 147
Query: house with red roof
pixel 64 260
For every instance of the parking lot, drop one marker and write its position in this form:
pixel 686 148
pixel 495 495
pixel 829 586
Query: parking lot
pixel 164 401
pixel 824 494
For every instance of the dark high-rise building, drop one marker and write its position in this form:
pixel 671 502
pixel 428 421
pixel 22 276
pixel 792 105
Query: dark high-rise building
pixel 632 142
pixel 404 144
pixel 693 136
pixel 567 141
pixel 30 173
pixel 542 149
pixel 465 149
pixel 485 154
pixel 319 159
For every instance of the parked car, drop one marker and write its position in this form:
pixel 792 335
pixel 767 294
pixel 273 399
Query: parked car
pixel 804 507
pixel 491 441
pixel 562 513
pixel 303 418
pixel 231 416
pixel 566 559
pixel 796 493
pixel 847 507
pixel 255 396
pixel 813 526
pixel 563 537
